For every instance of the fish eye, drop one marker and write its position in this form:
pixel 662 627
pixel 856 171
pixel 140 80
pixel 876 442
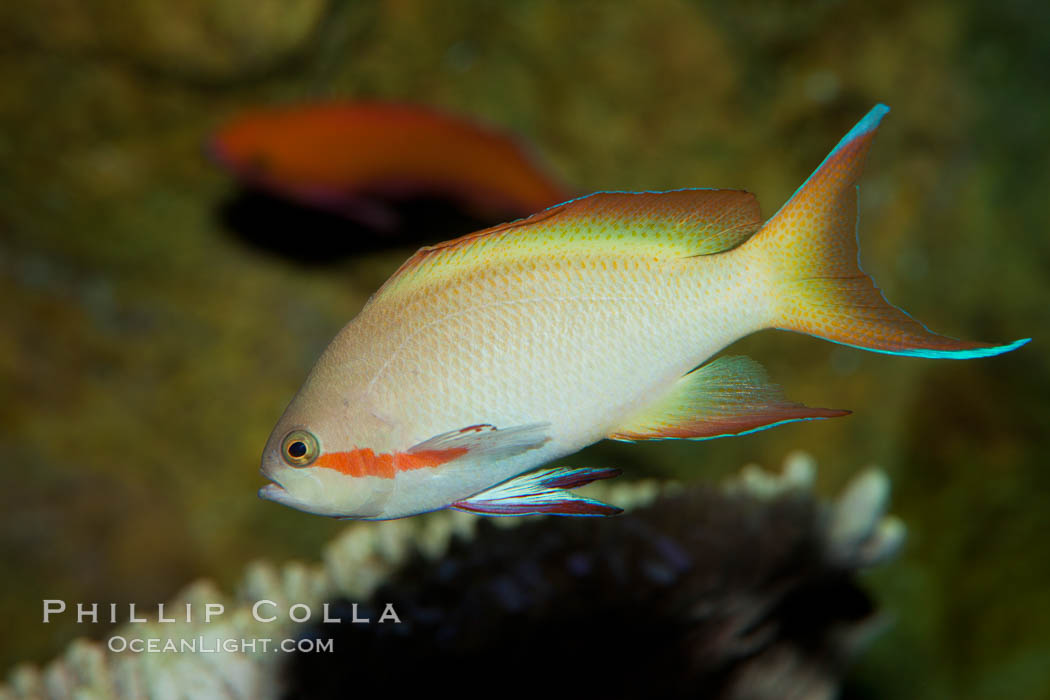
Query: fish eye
pixel 299 448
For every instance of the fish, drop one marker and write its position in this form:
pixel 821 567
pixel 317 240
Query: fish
pixel 357 158
pixel 488 356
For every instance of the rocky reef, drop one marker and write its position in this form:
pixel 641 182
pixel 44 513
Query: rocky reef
pixel 742 591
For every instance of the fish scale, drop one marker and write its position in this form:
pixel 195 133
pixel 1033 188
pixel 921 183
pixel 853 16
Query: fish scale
pixel 631 314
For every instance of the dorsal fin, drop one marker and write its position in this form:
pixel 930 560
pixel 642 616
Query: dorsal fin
pixel 665 224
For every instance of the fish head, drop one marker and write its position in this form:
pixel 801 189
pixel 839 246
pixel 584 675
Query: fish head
pixel 266 147
pixel 315 465
pixel 240 146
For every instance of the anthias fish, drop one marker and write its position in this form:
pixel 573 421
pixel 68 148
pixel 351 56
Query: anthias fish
pixel 354 157
pixel 487 356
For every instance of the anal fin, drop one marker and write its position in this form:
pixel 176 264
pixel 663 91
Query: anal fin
pixel 730 396
pixel 542 493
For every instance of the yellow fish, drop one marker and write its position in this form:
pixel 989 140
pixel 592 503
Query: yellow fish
pixel 487 356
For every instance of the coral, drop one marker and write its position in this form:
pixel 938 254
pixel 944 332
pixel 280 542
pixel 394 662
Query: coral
pixel 744 591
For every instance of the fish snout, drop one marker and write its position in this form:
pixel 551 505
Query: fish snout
pixel 274 491
pixel 270 470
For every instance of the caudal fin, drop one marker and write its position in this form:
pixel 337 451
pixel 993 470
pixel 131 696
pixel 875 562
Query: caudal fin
pixel 810 246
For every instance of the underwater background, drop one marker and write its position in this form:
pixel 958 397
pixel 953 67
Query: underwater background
pixel 155 319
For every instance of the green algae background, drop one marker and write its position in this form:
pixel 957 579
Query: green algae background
pixel 145 353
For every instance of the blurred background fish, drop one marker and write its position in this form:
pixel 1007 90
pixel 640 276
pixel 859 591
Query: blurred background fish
pixel 355 158
pixel 147 344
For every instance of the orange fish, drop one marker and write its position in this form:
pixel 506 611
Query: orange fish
pixel 353 157
pixel 488 356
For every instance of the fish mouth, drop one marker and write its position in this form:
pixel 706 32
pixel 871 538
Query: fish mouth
pixel 273 491
pixel 278 494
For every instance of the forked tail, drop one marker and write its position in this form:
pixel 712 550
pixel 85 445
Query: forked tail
pixel 810 249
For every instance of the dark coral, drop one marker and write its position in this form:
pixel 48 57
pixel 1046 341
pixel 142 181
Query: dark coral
pixel 705 594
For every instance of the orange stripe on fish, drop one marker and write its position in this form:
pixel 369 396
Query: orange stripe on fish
pixel 405 461
pixel 365 462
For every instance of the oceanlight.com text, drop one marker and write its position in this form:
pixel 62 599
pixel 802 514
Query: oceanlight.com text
pixel 211 645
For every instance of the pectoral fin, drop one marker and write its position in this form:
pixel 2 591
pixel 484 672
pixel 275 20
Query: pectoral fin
pixel 730 396
pixel 542 492
pixel 486 441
